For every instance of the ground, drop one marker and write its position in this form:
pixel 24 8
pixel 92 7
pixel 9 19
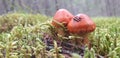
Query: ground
pixel 28 35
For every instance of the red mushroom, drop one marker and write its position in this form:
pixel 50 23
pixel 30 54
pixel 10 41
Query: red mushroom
pixel 62 16
pixel 81 24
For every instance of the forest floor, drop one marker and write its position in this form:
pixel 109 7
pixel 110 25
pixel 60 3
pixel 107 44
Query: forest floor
pixel 33 36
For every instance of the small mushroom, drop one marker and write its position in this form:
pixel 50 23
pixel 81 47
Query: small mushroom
pixel 62 16
pixel 81 25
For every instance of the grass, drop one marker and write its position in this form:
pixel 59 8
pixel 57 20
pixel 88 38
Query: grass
pixel 22 36
pixel 10 20
pixel 106 37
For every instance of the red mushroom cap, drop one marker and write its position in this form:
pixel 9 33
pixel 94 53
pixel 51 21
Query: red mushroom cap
pixel 62 16
pixel 81 24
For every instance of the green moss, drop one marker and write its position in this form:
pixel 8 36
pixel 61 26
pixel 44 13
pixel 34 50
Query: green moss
pixel 23 33
pixel 8 21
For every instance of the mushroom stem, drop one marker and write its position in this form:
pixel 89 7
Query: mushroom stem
pixel 87 42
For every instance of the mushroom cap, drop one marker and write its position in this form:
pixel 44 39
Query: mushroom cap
pixel 62 16
pixel 81 24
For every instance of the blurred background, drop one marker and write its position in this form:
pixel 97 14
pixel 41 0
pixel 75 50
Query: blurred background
pixel 95 8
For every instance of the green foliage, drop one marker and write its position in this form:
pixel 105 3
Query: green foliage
pixel 8 21
pixel 106 37
pixel 22 34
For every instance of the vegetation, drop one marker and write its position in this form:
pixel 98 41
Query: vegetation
pixel 23 36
